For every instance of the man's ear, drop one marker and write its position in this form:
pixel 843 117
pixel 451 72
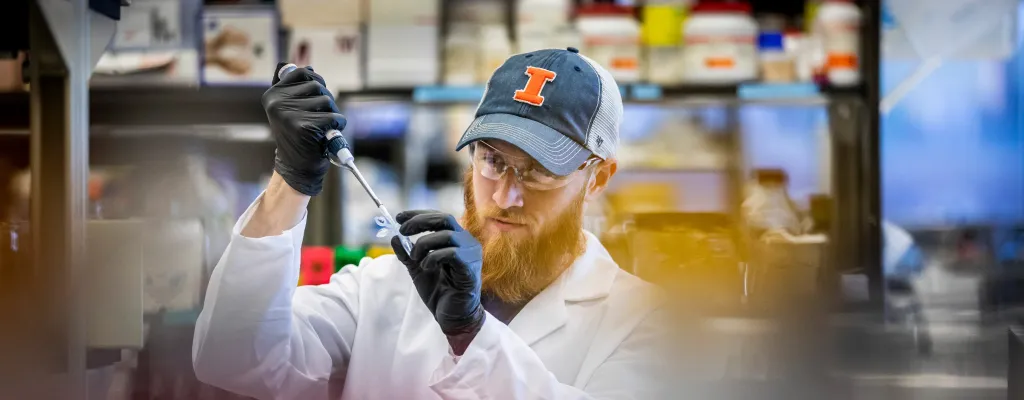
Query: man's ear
pixel 602 174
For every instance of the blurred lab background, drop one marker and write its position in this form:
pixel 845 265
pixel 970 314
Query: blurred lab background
pixel 831 190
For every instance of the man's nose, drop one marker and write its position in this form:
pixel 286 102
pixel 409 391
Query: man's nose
pixel 509 192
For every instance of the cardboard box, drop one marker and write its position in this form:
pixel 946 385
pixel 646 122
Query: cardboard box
pixel 401 56
pixel 240 45
pixel 320 13
pixel 335 54
pixel 404 12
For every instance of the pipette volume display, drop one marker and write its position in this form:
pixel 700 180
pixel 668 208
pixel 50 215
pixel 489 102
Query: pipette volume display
pixel 341 156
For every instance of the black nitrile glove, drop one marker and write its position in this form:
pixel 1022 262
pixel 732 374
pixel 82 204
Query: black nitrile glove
pixel 301 111
pixel 445 267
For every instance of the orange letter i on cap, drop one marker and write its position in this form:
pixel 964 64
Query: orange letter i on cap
pixel 531 93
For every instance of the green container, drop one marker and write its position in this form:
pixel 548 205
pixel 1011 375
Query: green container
pixel 347 256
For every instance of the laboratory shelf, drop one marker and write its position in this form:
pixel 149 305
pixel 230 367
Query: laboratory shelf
pixel 176 105
pixel 448 94
pixel 749 92
pixel 168 105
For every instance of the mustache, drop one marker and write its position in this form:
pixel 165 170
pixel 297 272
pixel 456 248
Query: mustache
pixel 510 215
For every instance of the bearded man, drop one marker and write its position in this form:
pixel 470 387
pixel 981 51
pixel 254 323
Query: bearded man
pixel 515 301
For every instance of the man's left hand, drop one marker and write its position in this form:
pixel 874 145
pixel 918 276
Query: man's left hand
pixel 445 267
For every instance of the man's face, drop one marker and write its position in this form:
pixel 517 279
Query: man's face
pixel 517 211
pixel 529 236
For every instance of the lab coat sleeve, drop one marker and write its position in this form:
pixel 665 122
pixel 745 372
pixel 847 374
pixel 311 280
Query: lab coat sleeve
pixel 498 364
pixel 261 336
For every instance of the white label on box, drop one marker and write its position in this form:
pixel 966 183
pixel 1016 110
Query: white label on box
pixel 621 56
pixel 319 13
pixel 402 56
pixel 132 30
pixel 404 12
pixel 149 24
pixel 333 52
pixel 241 47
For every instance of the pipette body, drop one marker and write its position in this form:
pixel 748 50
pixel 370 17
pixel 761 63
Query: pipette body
pixel 340 155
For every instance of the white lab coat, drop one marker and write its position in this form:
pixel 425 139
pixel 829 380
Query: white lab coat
pixel 368 335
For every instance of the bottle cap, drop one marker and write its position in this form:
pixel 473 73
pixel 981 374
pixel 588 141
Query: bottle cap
pixel 770 41
pixel 770 175
pixel 722 7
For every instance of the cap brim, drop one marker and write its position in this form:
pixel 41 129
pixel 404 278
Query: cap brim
pixel 554 151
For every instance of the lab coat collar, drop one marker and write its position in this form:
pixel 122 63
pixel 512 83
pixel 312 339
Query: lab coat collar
pixel 590 277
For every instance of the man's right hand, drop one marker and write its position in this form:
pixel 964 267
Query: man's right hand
pixel 301 111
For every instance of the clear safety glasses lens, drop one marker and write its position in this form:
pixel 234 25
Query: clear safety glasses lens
pixel 493 164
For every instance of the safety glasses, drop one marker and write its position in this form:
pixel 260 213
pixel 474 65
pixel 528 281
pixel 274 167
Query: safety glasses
pixel 492 164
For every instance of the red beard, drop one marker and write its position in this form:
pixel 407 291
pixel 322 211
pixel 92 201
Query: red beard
pixel 516 269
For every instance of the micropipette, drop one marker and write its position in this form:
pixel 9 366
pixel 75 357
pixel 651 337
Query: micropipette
pixel 340 155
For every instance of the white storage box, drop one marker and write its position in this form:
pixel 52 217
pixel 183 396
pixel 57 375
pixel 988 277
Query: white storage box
pixel 400 56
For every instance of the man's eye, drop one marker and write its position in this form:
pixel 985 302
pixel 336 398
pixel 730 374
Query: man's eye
pixel 490 159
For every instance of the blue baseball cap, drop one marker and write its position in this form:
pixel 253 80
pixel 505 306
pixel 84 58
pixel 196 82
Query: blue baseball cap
pixel 556 105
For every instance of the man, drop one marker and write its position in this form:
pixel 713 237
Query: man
pixel 515 301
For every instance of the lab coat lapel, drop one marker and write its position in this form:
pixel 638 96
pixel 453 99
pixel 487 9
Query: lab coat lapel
pixel 589 277
pixel 544 314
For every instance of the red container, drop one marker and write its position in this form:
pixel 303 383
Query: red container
pixel 317 265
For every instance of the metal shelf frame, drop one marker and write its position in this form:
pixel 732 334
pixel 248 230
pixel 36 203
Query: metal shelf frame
pixel 59 121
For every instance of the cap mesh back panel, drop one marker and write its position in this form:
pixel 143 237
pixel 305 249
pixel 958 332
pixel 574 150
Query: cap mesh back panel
pixel 603 138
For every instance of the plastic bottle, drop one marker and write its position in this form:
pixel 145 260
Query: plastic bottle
pixel 537 22
pixel 720 44
pixel 798 48
pixel 611 37
pixel 662 33
pixel 838 24
pixel 776 64
pixel 768 206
